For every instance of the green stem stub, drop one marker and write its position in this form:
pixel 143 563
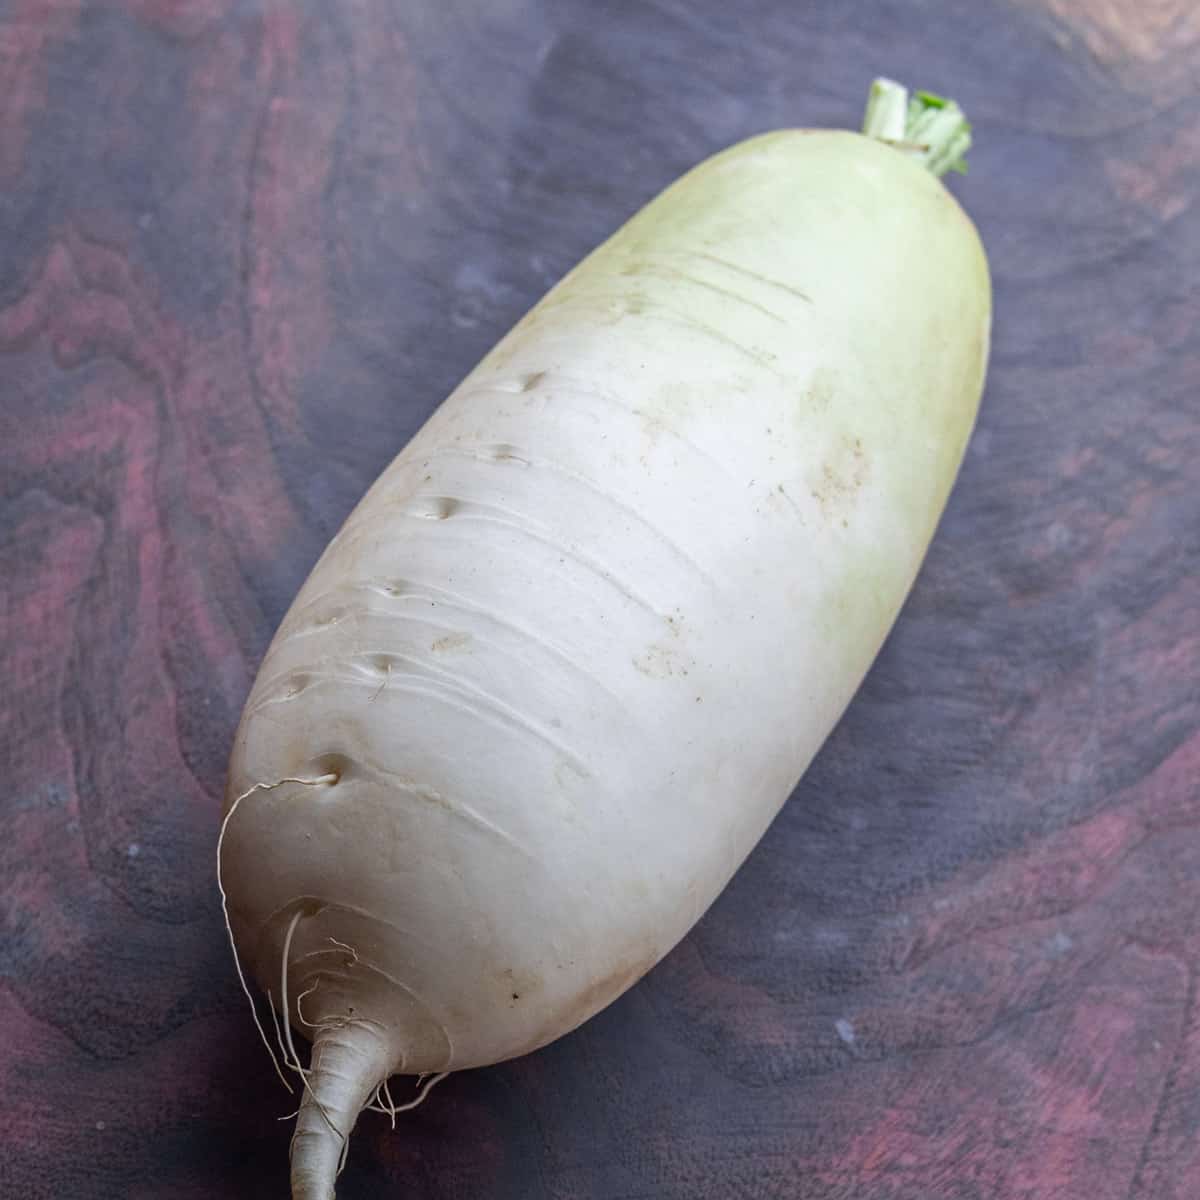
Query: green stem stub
pixel 929 128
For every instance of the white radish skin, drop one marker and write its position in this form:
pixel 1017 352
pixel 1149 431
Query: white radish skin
pixel 571 653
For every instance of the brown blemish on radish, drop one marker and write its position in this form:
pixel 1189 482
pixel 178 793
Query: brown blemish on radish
pixel 450 643
pixel 836 485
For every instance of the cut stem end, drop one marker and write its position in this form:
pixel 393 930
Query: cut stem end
pixel 926 127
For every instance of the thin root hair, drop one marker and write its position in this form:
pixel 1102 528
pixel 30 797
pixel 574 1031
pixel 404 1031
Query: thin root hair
pixel 237 962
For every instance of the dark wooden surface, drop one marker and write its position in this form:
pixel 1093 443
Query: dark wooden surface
pixel 245 248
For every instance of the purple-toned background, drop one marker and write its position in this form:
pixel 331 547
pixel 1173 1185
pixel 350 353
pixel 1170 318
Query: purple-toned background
pixel 245 248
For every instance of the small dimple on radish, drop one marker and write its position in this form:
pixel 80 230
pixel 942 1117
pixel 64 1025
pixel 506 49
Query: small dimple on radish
pixel 433 508
pixel 393 590
pixel 506 453
pixel 382 664
pixel 336 767
pixel 296 684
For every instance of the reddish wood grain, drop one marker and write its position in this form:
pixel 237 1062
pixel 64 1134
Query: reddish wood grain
pixel 248 246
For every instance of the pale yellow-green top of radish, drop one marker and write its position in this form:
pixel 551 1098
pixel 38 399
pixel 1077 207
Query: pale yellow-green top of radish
pixel 566 660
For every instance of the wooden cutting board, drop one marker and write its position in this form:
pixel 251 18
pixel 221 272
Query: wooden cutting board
pixel 245 248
